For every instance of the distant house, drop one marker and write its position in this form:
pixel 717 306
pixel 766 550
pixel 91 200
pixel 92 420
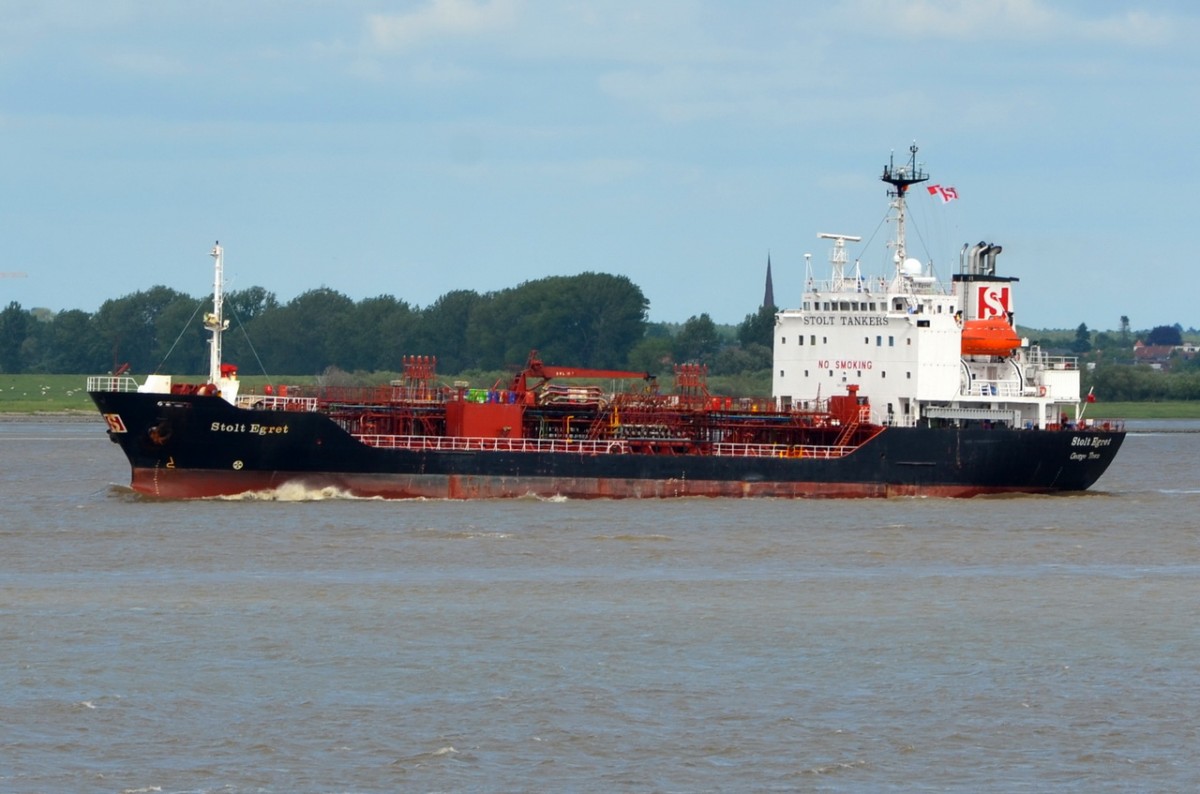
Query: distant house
pixel 1160 356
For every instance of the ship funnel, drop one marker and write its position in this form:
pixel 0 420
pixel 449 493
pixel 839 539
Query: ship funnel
pixel 974 266
pixel 991 253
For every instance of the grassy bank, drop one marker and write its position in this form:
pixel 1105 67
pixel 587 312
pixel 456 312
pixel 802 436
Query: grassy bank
pixel 28 394
pixel 1176 409
pixel 43 393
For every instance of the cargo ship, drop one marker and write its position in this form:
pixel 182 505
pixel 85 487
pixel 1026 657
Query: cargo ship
pixel 883 386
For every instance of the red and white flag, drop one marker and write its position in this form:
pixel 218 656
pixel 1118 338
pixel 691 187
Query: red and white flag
pixel 947 194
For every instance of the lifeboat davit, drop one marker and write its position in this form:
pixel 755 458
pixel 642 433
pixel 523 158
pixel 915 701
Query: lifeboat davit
pixel 991 337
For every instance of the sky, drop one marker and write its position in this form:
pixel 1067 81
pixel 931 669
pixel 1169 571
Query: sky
pixel 417 147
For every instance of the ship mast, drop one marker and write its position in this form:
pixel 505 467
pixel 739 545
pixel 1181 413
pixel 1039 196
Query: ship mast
pixel 215 322
pixel 900 179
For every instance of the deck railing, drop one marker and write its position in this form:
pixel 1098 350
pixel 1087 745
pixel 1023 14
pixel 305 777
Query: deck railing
pixel 993 388
pixel 594 447
pixel 271 402
pixel 111 383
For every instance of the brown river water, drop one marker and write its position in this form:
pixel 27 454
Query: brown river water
pixel 317 644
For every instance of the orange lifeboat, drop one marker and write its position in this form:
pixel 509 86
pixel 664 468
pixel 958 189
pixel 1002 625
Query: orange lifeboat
pixel 991 337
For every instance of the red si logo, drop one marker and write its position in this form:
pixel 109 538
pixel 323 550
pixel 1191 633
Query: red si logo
pixel 993 301
pixel 115 425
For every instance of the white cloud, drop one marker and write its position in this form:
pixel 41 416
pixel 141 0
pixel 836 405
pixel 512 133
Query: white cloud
pixel 1135 27
pixel 441 19
pixel 1032 20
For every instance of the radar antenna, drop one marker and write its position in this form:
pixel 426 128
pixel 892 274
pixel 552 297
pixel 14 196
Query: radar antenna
pixel 837 258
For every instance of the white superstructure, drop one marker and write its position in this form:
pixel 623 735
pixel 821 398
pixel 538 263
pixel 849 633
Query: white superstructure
pixel 922 351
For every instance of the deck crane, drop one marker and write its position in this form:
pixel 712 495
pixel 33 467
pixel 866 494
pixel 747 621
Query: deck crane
pixel 534 368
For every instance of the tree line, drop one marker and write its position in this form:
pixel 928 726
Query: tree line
pixel 1113 371
pixel 588 320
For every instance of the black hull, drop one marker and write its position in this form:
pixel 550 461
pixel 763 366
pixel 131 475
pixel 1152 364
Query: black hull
pixel 189 446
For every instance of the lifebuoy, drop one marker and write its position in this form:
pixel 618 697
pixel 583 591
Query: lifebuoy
pixel 1041 391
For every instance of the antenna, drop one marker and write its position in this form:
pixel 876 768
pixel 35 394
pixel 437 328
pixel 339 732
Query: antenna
pixel 837 256
pixel 900 178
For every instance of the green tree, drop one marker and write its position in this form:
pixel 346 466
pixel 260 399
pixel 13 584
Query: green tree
pixel 14 328
pixel 244 308
pixel 697 341
pixel 1165 335
pixel 442 330
pixel 127 329
pixel 1083 339
pixel 652 354
pixel 307 335
pixel 758 328
pixel 592 319
pixel 181 343
pixel 69 347
pixel 736 359
pixel 589 320
pixel 247 304
pixel 382 331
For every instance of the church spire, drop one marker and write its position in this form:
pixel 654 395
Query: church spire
pixel 769 294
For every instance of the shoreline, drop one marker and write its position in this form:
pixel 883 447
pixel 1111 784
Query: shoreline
pixel 56 416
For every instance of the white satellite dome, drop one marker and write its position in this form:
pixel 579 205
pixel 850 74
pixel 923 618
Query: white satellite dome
pixel 912 267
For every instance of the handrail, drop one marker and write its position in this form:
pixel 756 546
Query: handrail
pixel 590 447
pixel 993 388
pixel 475 444
pixel 271 402
pixel 111 383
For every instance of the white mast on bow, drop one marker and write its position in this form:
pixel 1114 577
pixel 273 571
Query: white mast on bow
pixel 215 321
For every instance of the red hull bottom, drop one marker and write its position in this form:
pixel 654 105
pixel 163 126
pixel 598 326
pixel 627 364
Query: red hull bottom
pixel 196 484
